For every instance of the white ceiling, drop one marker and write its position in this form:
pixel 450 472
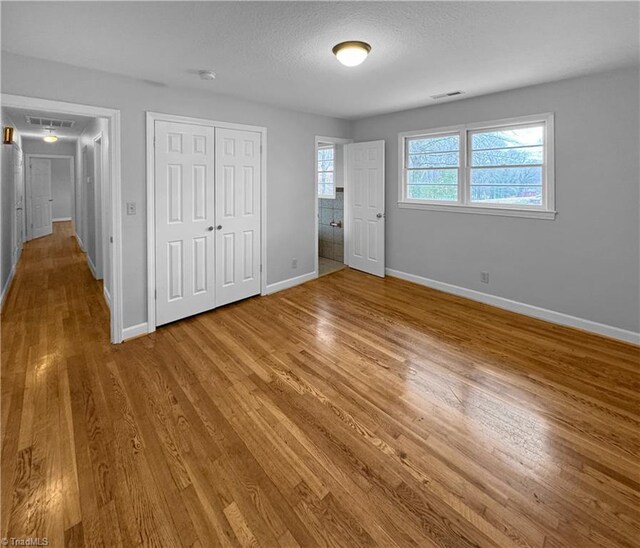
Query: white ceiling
pixel 17 116
pixel 280 52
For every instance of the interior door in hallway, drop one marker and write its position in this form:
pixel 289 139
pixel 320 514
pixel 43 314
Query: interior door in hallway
pixel 184 205
pixel 40 210
pixel 238 230
pixel 365 206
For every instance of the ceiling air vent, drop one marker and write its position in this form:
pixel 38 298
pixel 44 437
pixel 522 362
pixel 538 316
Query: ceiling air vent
pixel 48 122
pixel 450 94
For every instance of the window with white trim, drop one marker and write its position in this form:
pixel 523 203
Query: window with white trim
pixel 432 165
pixel 503 167
pixel 326 171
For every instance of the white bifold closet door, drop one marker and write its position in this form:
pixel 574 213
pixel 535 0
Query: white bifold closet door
pixel 238 179
pixel 185 220
pixel 208 219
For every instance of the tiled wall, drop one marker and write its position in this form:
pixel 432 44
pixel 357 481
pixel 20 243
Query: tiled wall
pixel 331 239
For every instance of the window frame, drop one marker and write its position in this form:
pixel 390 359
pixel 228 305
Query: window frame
pixel 320 147
pixel 464 204
pixel 460 167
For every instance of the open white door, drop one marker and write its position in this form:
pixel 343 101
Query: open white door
pixel 365 206
pixel 40 183
pixel 238 187
pixel 184 170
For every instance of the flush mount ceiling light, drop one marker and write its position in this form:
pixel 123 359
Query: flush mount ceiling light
pixel 207 75
pixel 351 53
pixel 50 137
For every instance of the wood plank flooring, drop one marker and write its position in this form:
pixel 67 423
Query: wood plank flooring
pixel 350 411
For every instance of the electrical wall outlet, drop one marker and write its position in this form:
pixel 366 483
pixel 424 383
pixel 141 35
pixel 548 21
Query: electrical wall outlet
pixel 294 263
pixel 131 208
pixel 484 277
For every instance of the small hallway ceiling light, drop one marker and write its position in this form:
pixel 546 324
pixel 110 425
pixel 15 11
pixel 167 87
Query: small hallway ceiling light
pixel 207 75
pixel 351 53
pixel 50 137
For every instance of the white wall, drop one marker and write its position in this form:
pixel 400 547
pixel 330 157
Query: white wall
pixel 8 202
pixel 290 163
pixel 8 197
pixel 586 262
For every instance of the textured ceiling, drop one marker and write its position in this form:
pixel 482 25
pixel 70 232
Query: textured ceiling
pixel 17 116
pixel 280 52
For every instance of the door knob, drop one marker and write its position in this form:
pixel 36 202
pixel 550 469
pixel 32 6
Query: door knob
pixel 219 227
pixel 380 215
pixel 210 228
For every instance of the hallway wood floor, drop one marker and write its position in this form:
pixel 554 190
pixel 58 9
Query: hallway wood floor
pixel 350 411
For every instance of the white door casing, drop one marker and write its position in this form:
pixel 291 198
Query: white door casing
pixel 97 187
pixel 106 229
pixel 184 220
pixel 238 222
pixel 40 186
pixel 365 202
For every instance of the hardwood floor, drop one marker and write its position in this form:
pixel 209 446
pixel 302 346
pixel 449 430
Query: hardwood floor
pixel 348 411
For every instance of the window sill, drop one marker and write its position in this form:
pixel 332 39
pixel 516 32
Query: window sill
pixel 479 210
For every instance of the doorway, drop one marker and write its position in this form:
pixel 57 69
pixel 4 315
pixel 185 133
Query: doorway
pixel 49 186
pixel 350 205
pixel 57 111
pixel 330 202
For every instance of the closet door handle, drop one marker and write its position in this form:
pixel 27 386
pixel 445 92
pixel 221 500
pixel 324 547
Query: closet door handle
pixel 219 227
pixel 210 229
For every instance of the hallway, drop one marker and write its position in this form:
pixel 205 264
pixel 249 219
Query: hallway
pixel 55 323
pixel 348 411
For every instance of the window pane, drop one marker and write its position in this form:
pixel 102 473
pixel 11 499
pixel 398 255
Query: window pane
pixel 515 137
pixel 421 145
pixel 508 156
pixel 325 190
pixel 448 193
pixel 433 177
pixel 528 176
pixel 325 154
pixel 510 195
pixel 325 178
pixel 325 165
pixel 434 159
